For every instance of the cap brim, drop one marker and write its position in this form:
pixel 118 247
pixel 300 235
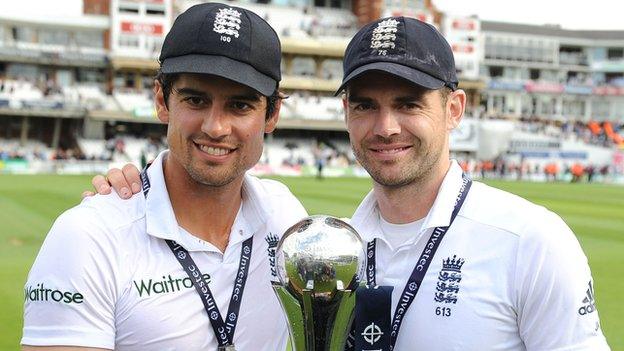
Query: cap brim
pixel 404 72
pixel 221 66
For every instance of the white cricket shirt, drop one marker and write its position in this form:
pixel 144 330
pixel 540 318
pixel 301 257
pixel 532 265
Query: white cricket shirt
pixel 508 275
pixel 105 276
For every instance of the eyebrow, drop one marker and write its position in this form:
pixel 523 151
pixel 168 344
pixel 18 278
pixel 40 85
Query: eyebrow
pixel 400 99
pixel 189 91
pixel 251 97
pixel 360 99
pixel 408 98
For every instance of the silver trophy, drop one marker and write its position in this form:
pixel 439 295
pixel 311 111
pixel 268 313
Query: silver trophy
pixel 319 262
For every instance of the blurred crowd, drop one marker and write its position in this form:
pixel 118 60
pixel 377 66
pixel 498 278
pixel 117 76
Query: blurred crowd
pixel 547 171
pixel 605 133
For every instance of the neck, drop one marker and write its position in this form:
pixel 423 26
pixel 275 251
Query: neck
pixel 206 212
pixel 411 202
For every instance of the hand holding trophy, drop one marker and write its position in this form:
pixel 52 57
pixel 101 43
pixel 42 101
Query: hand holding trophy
pixel 319 262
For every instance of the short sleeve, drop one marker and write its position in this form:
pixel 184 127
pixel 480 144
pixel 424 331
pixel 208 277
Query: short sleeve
pixel 291 212
pixel 287 210
pixel 71 291
pixel 556 301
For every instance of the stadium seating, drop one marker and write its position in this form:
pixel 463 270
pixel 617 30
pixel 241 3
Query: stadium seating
pixel 307 22
pixel 129 100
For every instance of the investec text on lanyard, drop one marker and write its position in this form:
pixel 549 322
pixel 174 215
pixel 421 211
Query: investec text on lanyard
pixel 413 283
pixel 223 330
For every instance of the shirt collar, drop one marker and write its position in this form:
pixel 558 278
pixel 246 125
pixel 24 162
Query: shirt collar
pixel 366 219
pixel 161 222
pixel 440 213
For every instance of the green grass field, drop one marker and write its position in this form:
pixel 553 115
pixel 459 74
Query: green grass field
pixel 29 204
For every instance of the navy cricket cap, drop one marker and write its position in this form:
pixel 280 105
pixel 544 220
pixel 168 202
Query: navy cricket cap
pixel 405 47
pixel 226 41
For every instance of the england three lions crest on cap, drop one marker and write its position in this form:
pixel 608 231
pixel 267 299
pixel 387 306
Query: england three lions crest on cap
pixel 227 21
pixel 449 279
pixel 384 36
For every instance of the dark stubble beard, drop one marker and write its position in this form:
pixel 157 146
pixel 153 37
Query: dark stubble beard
pixel 411 175
pixel 211 178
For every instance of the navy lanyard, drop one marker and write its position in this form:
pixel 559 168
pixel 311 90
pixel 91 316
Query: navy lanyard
pixel 413 284
pixel 223 330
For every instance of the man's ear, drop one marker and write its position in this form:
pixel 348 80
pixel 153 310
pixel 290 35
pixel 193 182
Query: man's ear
pixel 159 99
pixel 455 108
pixel 271 122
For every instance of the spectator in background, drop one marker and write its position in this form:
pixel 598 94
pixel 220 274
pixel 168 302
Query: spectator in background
pixel 577 170
pixel 590 170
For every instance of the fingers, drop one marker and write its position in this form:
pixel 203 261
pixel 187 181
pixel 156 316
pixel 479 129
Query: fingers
pixel 133 177
pixel 117 180
pixel 87 194
pixel 125 181
pixel 100 184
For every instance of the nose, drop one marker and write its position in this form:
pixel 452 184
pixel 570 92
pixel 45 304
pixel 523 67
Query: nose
pixel 216 123
pixel 386 123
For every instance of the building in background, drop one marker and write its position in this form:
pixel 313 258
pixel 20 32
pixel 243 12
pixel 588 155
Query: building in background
pixel 553 73
pixel 83 82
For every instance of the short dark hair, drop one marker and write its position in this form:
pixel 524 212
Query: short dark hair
pixel 444 94
pixel 167 80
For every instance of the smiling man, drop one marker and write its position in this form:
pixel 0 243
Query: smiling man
pixel 465 266
pixel 462 266
pixel 183 264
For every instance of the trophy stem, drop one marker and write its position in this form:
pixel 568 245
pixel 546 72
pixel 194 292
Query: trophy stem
pixel 309 318
pixel 344 319
pixel 294 315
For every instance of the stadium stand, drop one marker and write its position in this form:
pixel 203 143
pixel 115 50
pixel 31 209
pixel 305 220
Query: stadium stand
pixel 70 96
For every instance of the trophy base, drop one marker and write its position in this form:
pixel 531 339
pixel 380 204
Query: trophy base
pixel 317 325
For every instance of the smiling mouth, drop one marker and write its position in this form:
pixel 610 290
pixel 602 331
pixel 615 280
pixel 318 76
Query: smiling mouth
pixel 214 151
pixel 390 151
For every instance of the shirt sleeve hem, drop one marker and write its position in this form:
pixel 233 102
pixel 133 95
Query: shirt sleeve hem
pixel 81 339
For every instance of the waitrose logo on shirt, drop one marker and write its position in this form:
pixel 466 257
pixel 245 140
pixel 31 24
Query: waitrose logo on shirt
pixel 167 284
pixel 41 293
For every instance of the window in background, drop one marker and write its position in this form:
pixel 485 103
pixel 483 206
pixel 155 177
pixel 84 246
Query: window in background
pixel 85 75
pixel 24 34
pixel 53 37
pixel 332 69
pixel 126 7
pixel 129 41
pixel 303 66
pixel 22 70
pixel 89 39
pixel 147 82
pixel 154 44
pixel 600 109
pixel 496 71
pixel 154 10
pixel 615 53
pixel 534 74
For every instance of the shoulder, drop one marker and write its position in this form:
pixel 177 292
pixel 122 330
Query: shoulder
pixel 281 207
pixel 542 237
pixel 273 194
pixel 97 218
pixel 511 213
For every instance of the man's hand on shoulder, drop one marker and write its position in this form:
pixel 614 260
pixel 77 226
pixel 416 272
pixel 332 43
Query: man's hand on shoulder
pixel 126 182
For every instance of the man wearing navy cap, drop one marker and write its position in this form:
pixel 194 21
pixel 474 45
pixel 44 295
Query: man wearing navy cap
pixel 459 265
pixel 183 264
